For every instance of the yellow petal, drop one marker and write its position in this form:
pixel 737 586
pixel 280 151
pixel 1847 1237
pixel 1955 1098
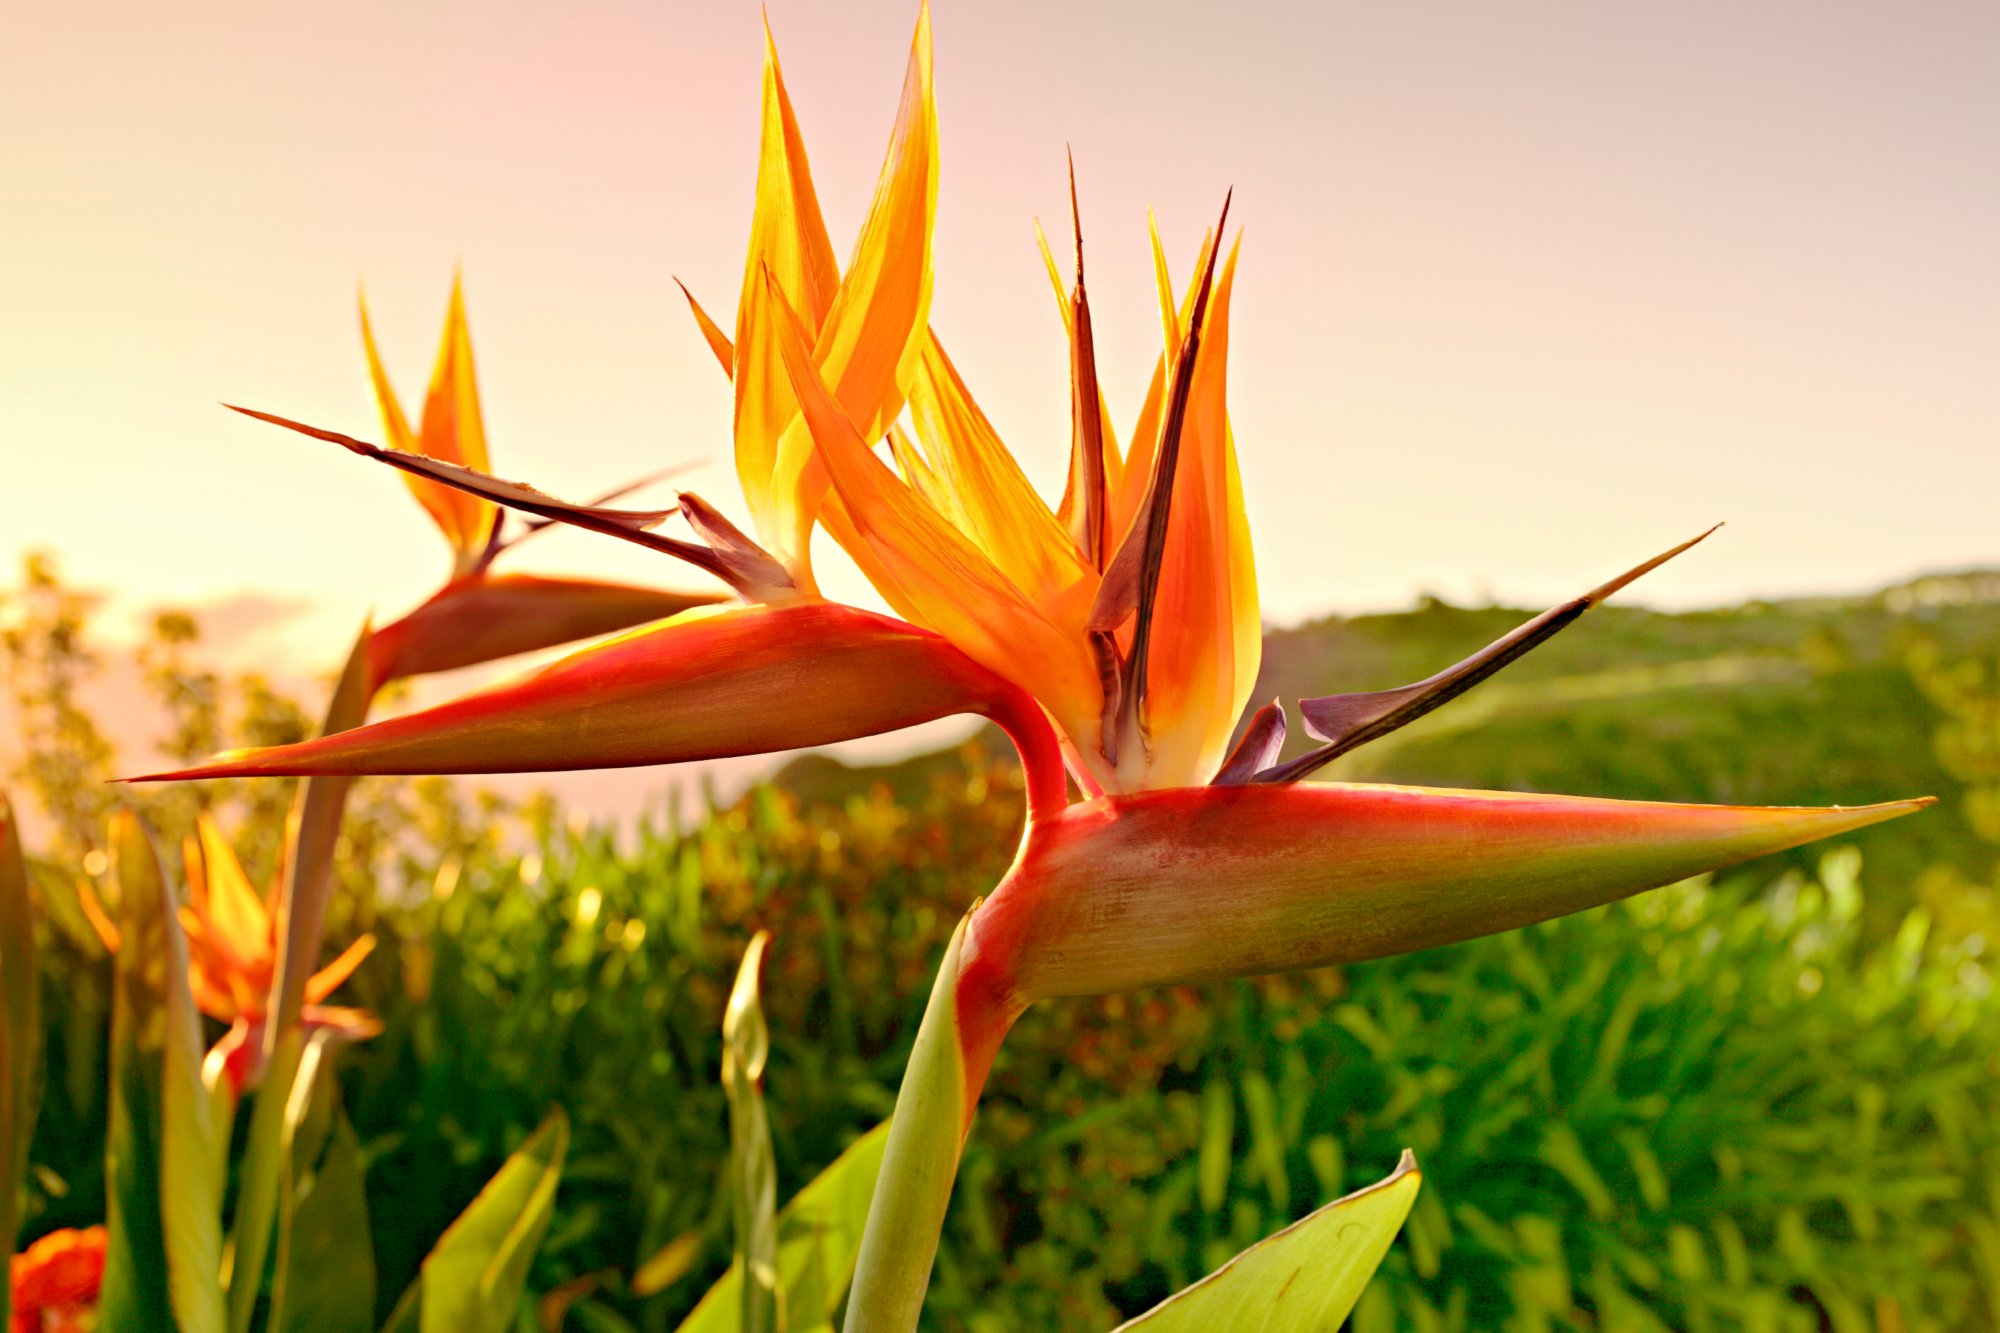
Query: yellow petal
pixel 873 335
pixel 916 468
pixel 788 239
pixel 1055 276
pixel 1163 279
pixel 233 907
pixel 996 506
pixel 866 347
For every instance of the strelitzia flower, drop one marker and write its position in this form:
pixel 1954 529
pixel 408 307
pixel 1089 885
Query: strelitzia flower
pixel 1114 635
pixel 233 943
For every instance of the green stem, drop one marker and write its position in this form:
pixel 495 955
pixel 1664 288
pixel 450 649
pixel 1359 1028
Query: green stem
pixel 263 1162
pixel 961 1028
pixel 311 837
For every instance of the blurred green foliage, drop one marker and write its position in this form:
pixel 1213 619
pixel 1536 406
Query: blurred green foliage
pixel 1710 1108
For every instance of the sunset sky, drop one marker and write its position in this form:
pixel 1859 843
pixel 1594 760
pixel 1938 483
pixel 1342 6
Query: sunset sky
pixel 1529 291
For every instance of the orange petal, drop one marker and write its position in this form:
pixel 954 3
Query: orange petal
pixel 453 428
pixel 233 908
pixel 394 424
pixel 451 431
pixel 341 1023
pixel 934 575
pixel 705 685
pixel 62 1272
pixel 711 332
pixel 1204 671
pixel 1171 887
pixel 327 980
pixel 921 476
pixel 100 920
pixel 485 617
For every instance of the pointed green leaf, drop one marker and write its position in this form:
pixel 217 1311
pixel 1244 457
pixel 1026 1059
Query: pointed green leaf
pixel 753 1169
pixel 1306 1278
pixel 819 1234
pixel 195 1115
pixel 325 1280
pixel 20 1036
pixel 133 1298
pixel 473 1280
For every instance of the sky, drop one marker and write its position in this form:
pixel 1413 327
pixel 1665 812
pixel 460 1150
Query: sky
pixel 1528 291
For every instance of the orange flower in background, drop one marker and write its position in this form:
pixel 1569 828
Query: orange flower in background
pixel 233 942
pixel 55 1282
pixel 233 953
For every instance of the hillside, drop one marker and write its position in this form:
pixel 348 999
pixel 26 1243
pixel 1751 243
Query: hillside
pixel 1802 701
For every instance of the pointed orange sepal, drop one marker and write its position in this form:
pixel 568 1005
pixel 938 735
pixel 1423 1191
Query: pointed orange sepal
pixel 705 685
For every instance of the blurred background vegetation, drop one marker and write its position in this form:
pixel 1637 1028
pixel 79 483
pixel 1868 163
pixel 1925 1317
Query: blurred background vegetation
pixel 1765 1102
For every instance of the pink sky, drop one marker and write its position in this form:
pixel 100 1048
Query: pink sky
pixel 1529 291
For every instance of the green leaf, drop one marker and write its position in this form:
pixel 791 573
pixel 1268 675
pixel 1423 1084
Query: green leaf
pixel 753 1168
pixel 20 1036
pixel 1306 1278
pixel 474 1276
pixel 1218 1129
pixel 326 1265
pixel 133 1297
pixel 819 1234
pixel 195 1115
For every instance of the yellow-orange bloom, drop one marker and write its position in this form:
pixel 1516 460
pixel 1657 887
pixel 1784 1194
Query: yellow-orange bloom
pixel 1063 601
pixel 232 942
pixel 233 945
